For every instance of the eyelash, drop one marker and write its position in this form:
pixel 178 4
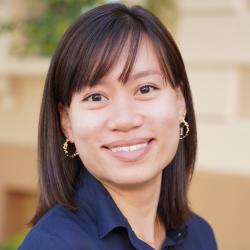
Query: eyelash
pixel 140 88
pixel 95 94
pixel 150 86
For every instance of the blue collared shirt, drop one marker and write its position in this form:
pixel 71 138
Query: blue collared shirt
pixel 98 224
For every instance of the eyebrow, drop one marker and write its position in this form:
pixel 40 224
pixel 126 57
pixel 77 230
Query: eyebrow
pixel 144 73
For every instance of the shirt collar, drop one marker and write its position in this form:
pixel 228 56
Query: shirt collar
pixel 92 195
pixel 176 236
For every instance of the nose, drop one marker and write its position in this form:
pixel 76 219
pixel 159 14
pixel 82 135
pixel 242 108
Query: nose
pixel 124 115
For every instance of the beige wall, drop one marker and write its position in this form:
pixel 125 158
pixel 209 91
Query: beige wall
pixel 214 39
pixel 224 201
pixel 17 188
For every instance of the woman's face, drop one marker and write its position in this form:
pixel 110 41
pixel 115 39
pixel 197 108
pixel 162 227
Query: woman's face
pixel 126 134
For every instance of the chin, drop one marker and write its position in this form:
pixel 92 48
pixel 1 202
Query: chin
pixel 132 179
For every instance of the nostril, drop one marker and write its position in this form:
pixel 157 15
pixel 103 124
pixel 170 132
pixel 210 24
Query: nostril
pixel 125 122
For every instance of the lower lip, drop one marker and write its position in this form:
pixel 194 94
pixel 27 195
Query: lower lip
pixel 130 156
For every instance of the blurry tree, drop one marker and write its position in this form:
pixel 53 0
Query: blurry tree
pixel 45 23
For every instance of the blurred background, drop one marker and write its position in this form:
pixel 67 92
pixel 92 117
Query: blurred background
pixel 214 38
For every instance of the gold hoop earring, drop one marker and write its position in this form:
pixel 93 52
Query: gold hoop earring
pixel 65 149
pixel 184 129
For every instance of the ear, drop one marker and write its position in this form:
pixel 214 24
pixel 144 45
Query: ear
pixel 65 121
pixel 181 104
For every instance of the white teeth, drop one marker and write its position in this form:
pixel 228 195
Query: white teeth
pixel 129 148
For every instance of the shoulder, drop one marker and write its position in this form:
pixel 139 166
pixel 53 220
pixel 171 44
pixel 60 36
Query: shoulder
pixel 200 231
pixel 198 223
pixel 41 240
pixel 60 229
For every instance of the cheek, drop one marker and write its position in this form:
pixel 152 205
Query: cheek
pixel 164 112
pixel 170 137
pixel 166 126
pixel 86 127
pixel 87 133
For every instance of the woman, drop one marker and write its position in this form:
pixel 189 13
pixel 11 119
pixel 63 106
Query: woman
pixel 117 140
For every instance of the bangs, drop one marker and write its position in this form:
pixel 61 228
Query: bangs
pixel 107 53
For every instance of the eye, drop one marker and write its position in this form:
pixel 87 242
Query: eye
pixel 96 97
pixel 145 89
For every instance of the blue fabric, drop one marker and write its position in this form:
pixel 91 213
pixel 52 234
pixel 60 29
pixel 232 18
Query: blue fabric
pixel 98 224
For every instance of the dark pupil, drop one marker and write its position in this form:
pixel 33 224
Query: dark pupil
pixel 96 97
pixel 145 89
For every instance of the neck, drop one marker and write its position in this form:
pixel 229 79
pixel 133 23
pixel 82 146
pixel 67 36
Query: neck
pixel 139 206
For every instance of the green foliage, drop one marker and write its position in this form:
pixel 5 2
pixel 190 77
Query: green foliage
pixel 46 24
pixel 43 32
pixel 13 243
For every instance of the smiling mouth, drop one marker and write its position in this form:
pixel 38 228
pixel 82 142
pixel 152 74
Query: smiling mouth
pixel 132 152
pixel 129 148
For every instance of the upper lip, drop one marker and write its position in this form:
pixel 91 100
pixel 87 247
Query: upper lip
pixel 126 143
